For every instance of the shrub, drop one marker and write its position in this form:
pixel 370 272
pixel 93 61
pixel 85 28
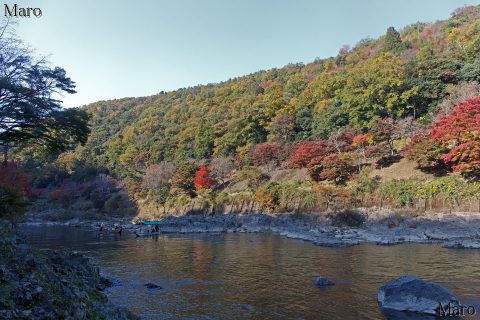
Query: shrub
pixel 119 203
pixel 401 192
pixel 58 195
pixel 338 167
pixel 253 176
pixel 113 203
pixel 451 188
pixel 333 197
pixel 268 196
pixel 82 205
pixel 12 203
pixel 364 184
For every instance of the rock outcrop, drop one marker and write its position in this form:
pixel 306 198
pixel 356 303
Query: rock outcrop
pixel 49 284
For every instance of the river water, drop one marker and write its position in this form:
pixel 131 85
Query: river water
pixel 257 276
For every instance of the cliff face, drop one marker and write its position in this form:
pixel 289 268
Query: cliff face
pixel 50 284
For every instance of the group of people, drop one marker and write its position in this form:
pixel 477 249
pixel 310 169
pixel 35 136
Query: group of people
pixel 155 229
pixel 117 228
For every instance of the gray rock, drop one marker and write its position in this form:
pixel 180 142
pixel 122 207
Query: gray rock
pixel 6 314
pixel 465 244
pixel 409 293
pixel 27 313
pixel 323 282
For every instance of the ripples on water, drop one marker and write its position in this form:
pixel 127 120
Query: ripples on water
pixel 258 276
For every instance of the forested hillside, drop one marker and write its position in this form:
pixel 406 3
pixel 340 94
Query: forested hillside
pixel 402 75
pixel 328 124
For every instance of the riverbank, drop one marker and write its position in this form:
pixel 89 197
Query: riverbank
pixel 48 284
pixel 341 229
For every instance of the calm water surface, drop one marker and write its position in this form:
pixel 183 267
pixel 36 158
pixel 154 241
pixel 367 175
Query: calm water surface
pixel 258 276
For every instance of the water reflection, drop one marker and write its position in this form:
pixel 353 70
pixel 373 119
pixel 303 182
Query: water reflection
pixel 259 276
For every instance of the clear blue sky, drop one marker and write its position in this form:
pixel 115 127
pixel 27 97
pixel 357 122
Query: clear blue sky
pixel 120 48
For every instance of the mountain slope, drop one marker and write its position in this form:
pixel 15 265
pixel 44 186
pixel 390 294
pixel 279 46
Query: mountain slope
pixel 399 75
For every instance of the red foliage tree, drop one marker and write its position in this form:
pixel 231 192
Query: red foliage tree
pixel 305 151
pixel 314 167
pixel 459 132
pixel 341 141
pixel 203 180
pixel 12 176
pixel 426 152
pixel 266 152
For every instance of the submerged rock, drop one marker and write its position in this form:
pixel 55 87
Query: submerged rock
pixel 334 243
pixel 409 293
pixel 151 285
pixel 323 282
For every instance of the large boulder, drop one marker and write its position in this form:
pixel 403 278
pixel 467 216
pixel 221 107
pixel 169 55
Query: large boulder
pixel 409 293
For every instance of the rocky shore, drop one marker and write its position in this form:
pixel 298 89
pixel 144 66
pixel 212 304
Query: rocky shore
pixel 342 229
pixel 47 284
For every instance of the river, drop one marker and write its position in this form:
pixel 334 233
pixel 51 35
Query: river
pixel 257 276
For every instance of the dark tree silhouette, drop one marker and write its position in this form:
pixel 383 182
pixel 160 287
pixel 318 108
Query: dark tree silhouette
pixel 30 105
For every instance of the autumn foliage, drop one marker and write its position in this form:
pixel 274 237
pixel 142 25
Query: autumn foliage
pixel 266 152
pixel 12 176
pixel 425 151
pixel 361 142
pixel 459 132
pixel 203 180
pixel 337 167
pixel 305 152
pixel 268 196
pixel 58 195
